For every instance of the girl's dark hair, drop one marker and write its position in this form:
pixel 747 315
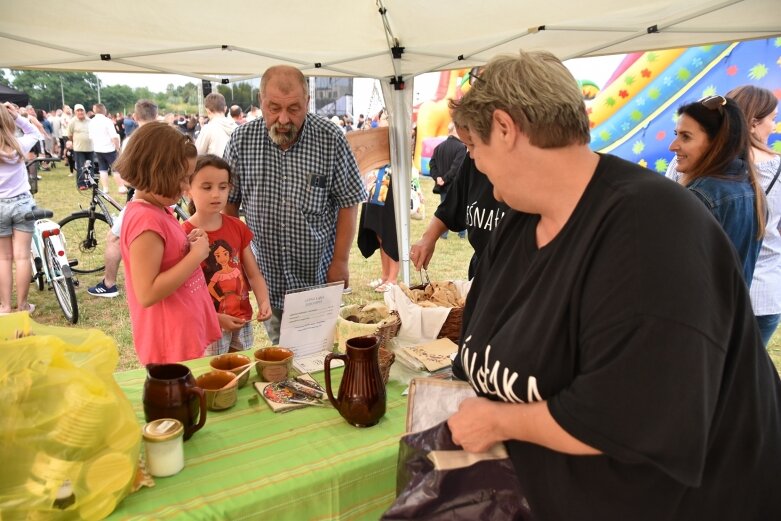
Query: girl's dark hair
pixel 204 161
pixel 729 138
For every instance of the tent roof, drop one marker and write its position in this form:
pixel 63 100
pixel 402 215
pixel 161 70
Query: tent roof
pixel 13 95
pixel 242 38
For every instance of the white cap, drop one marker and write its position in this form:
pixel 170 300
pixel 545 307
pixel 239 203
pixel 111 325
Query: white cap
pixel 78 106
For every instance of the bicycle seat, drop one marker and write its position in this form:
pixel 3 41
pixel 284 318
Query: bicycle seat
pixel 38 213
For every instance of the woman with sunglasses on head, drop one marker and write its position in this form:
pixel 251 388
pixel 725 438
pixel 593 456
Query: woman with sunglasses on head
pixel 760 108
pixel 712 149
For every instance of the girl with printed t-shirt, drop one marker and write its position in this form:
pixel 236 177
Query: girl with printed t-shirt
pixel 230 269
pixel 170 309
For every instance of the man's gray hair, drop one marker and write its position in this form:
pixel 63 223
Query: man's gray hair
pixel 290 74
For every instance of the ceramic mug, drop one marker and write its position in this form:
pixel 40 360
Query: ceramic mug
pixel 274 363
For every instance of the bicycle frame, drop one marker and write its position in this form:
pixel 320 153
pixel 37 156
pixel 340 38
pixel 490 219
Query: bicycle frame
pixel 100 198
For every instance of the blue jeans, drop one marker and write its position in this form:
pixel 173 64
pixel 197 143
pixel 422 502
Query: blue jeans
pixel 767 326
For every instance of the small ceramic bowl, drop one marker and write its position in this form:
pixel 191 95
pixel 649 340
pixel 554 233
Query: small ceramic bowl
pixel 274 363
pixel 233 362
pixel 212 384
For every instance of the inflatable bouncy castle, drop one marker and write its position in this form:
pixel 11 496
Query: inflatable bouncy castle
pixel 433 116
pixel 634 115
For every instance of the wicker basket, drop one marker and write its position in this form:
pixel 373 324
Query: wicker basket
pixel 386 358
pixel 451 328
pixel 385 332
pixel 390 329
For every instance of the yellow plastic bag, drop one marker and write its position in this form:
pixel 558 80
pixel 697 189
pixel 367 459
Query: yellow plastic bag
pixel 69 439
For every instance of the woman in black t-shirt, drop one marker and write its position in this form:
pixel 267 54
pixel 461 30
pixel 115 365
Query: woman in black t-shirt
pixel 468 205
pixel 608 331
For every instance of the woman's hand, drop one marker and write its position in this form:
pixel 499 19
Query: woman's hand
pixel 421 252
pixel 12 109
pixel 475 426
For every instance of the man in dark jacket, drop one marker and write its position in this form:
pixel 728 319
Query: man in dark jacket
pixel 445 162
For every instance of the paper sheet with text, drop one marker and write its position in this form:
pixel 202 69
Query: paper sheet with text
pixel 309 319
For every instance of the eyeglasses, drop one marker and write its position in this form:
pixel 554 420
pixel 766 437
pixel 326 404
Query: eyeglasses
pixel 714 102
pixel 474 77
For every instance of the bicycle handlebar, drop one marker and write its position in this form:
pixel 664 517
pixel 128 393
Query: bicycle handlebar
pixel 42 160
pixel 38 213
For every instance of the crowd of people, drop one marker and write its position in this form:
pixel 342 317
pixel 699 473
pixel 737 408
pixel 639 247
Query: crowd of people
pixel 612 332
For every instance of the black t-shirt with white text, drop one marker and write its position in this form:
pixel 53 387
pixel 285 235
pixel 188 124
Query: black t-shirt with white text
pixel 470 205
pixel 635 324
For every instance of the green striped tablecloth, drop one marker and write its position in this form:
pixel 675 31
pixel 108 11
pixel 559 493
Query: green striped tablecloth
pixel 251 463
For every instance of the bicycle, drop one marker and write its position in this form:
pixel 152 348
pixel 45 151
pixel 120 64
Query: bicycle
pixel 50 264
pixel 88 228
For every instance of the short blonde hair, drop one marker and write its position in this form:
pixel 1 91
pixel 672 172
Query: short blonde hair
pixel 536 90
pixel 155 159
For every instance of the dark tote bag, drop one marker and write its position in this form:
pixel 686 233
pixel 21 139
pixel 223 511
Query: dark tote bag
pixel 484 490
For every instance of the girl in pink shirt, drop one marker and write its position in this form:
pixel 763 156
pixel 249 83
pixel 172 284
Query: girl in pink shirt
pixel 171 311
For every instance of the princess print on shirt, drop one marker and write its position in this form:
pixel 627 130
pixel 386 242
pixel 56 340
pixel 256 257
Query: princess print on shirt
pixel 225 280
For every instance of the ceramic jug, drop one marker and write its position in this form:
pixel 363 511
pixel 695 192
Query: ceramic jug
pixel 361 397
pixel 170 392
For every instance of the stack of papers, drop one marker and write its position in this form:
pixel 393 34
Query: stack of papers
pixel 432 356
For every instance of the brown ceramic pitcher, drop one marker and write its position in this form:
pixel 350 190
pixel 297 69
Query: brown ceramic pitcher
pixel 361 398
pixel 170 392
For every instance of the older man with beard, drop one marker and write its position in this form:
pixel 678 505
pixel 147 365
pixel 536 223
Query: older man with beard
pixel 298 182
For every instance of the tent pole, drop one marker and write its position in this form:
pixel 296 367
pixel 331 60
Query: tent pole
pixel 398 100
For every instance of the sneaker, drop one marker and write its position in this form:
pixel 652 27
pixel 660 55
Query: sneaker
pixel 100 290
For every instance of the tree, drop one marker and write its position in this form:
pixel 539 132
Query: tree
pixel 118 98
pixel 3 80
pixel 47 89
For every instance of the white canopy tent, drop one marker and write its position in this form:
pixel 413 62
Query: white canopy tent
pixel 392 40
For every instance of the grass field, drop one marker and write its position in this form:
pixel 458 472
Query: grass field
pixel 58 192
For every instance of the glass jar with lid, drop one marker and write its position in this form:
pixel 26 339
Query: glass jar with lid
pixel 164 447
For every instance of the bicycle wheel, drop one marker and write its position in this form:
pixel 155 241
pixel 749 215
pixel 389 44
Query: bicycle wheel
pixel 62 282
pixel 86 236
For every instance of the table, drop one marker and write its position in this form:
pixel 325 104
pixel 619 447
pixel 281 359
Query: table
pixel 250 463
